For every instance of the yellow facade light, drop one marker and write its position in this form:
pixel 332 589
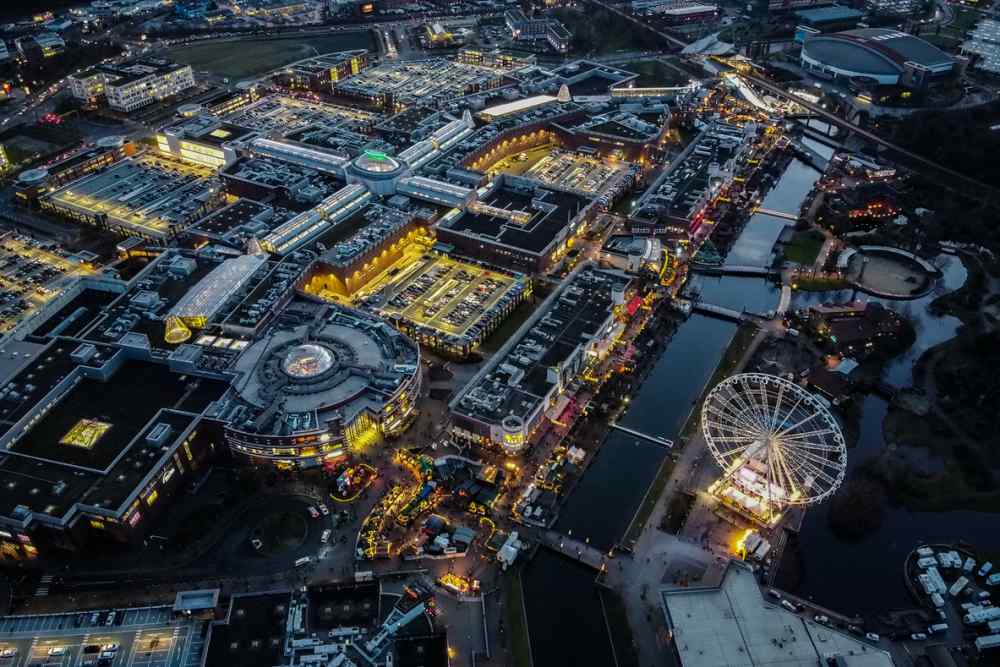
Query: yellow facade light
pixel 176 331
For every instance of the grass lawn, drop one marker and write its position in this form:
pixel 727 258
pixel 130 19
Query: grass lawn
pixel 517 622
pixel 737 347
pixel 253 57
pixel 649 502
pixel 804 247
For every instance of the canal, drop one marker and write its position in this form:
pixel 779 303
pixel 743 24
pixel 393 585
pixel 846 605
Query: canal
pixel 565 620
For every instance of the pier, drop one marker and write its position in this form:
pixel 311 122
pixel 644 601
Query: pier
pixel 663 442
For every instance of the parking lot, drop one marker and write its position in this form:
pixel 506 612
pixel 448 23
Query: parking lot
pixel 144 637
pixel 575 171
pixel 30 276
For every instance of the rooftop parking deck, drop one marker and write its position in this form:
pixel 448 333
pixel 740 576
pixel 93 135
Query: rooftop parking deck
pixel 445 295
pixel 149 195
pixel 420 81
pixel 282 114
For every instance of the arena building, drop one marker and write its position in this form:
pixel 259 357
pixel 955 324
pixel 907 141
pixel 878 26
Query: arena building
pixel 308 392
pixel 885 55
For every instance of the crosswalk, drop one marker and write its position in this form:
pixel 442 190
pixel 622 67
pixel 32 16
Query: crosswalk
pixel 43 586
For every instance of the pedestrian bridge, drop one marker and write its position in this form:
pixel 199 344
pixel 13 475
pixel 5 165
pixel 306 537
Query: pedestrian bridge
pixel 735 270
pixel 776 214
pixel 669 444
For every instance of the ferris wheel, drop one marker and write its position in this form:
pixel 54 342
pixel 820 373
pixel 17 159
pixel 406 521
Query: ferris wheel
pixel 776 442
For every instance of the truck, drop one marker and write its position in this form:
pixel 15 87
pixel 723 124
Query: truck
pixel 936 628
pixel 985 569
pixel 958 586
pixel 969 566
pixel 993 579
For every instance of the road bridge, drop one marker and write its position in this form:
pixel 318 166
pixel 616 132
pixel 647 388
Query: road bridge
pixel 870 136
pixel 811 155
pixel 663 442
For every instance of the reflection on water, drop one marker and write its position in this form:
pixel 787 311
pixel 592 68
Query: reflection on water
pixel 601 506
pixel 565 620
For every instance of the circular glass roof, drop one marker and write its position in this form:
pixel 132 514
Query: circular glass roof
pixel 307 360
pixel 376 162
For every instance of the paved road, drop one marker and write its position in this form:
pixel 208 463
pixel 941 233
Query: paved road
pixel 870 136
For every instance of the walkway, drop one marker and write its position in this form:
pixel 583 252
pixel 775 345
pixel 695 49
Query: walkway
pixel 578 551
pixel 870 136
pixel 719 311
pixel 785 300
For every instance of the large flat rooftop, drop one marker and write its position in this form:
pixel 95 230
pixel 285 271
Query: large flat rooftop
pixel 419 81
pixel 282 114
pixel 115 412
pixel 148 195
pixel 445 295
pixel 735 625
pixel 518 379
pixel 544 216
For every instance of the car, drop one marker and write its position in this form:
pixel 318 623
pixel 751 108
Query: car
pixel 257 544
pixel 111 647
pixel 788 605
pixel 323 509
pixel 820 618
pixel 8 653
pixel 57 651
pixel 92 648
pixel 871 636
pixel 325 537
pixel 312 512
pixel 918 636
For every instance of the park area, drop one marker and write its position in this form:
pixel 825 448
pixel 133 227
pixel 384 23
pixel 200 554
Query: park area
pixel 247 58
pixel 804 247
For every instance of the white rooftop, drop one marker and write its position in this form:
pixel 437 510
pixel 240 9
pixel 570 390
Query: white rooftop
pixel 735 626
pixel 222 282
pixel 519 105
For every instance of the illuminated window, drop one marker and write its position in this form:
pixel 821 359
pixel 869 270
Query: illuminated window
pixel 94 523
pixel 85 433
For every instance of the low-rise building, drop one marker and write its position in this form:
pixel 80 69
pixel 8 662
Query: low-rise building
pixel 132 85
pixel 508 401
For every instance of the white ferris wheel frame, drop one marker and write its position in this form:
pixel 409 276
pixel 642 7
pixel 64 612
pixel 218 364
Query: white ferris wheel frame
pixel 748 412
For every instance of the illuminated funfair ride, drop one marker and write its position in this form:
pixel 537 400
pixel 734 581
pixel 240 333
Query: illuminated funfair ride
pixel 777 444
